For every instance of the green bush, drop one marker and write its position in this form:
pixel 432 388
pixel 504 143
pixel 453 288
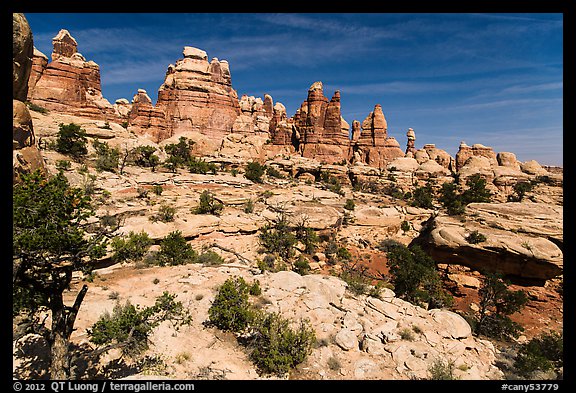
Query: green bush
pixel 273 172
pixel 131 248
pixel 423 197
pixel 349 205
pixel 476 191
pixel 157 189
pixel 278 347
pixel 210 258
pixel 129 327
pixel 198 165
pixel 208 204
pixel 36 108
pixel 254 171
pixel 520 190
pixel 275 346
pixel 277 237
pixel 165 213
pixel 63 165
pixel 231 310
pixel 415 277
pixel 405 226
pixel 144 157
pixel 475 237
pixel 107 158
pixel 174 250
pixel 249 206
pixel 441 371
pixel 302 266
pixel 543 353
pixel 451 199
pixel 497 302
pixel 72 140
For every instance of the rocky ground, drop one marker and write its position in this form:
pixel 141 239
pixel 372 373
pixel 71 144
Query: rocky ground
pixel 358 337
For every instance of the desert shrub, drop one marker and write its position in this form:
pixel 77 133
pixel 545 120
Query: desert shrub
pixel 179 152
pixel 36 108
pixel 63 165
pixel 423 197
pixel 349 205
pixel 144 157
pixel 278 347
pixel 332 183
pixel 208 204
pixel 198 165
pixel 210 258
pixel 441 371
pixel 476 190
pixel 301 266
pixel 71 140
pixel 254 171
pixel 451 199
pixel 107 158
pixel 405 226
pixel 273 172
pixel 174 250
pixel 520 189
pixel 475 237
pixel 415 277
pixel 406 334
pixel 249 206
pixel 543 353
pixel 307 236
pixel 497 302
pixel 157 189
pixel 231 310
pixel 277 237
pixel 165 213
pixel 268 263
pixel 132 247
pixel 129 326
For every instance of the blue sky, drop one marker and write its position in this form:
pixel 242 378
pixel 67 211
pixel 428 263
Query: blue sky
pixel 494 79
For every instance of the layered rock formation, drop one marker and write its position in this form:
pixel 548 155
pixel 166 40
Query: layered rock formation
pixel 25 157
pixel 476 150
pixel 523 240
pixel 373 145
pixel 255 115
pixel 323 134
pixel 145 119
pixel 197 95
pixel 69 83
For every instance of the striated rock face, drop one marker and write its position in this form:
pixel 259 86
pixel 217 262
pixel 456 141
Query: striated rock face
pixel 39 63
pixel 69 84
pixel 323 135
pixel 373 145
pixel 145 119
pixel 197 95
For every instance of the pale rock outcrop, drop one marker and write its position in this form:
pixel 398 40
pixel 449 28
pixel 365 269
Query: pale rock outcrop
pixel 22 52
pixel 532 167
pixel 122 108
pixel 476 150
pixel 508 159
pixel 522 239
pixel 26 156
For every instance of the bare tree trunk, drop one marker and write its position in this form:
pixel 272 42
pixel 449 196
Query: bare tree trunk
pixel 63 319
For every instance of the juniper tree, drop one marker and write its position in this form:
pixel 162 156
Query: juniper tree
pixel 49 243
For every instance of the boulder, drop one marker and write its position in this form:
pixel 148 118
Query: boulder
pixel 515 245
pixel 22 52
